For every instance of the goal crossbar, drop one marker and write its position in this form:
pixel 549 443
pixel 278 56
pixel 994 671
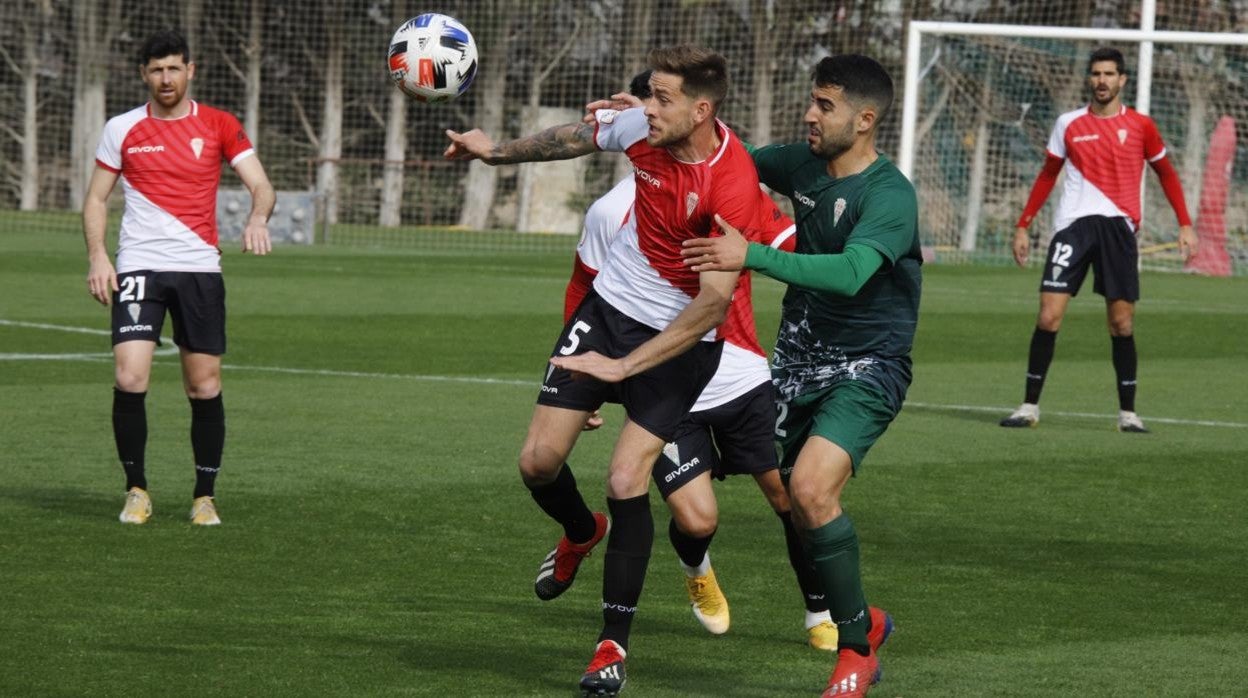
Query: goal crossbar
pixel 916 30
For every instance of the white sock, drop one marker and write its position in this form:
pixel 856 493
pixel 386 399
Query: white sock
pixel 815 618
pixel 701 570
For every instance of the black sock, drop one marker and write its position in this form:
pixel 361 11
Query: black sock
pixel 812 594
pixel 207 442
pixel 1124 368
pixel 1038 360
pixel 562 501
pixel 624 566
pixel 692 551
pixel 130 433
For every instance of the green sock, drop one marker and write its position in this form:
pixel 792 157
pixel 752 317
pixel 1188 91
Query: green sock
pixel 833 550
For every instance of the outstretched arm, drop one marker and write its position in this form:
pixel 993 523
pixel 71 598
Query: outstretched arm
pixel 844 274
pixel 562 142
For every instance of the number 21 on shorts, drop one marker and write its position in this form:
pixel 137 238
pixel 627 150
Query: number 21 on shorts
pixel 133 288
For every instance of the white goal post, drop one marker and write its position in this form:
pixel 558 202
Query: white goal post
pixel 977 197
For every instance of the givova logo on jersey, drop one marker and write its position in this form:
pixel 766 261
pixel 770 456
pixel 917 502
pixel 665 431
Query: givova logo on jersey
pixel 136 149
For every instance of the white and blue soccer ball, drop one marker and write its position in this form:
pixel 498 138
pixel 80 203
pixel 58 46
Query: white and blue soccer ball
pixel 433 58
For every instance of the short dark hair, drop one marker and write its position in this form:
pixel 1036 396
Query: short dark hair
pixel 639 86
pixel 704 72
pixel 1106 53
pixel 162 44
pixel 861 77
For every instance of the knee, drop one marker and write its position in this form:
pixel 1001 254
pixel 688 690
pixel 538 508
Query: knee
pixel 695 521
pixel 697 526
pixel 203 389
pixel 812 502
pixel 1049 321
pixel 131 381
pixel 537 465
pixel 1121 327
pixel 626 481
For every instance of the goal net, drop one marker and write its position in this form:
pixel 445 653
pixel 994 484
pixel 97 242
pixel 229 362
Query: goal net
pixel 985 100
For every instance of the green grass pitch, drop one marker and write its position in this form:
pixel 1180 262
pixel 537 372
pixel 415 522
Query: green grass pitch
pixel 377 540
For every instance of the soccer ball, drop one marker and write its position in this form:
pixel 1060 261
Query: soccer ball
pixel 433 58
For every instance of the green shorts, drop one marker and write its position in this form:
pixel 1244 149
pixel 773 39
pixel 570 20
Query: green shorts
pixel 851 414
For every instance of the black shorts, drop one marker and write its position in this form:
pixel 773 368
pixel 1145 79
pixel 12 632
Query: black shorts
pixel 657 399
pixel 735 438
pixel 195 301
pixel 1108 245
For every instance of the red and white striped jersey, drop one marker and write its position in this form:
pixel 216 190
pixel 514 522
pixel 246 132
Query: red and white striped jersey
pixel 1105 159
pixel 743 364
pixel 169 171
pixel 644 276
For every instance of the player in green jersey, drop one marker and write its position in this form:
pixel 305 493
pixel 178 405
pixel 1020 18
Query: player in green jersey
pixel 842 358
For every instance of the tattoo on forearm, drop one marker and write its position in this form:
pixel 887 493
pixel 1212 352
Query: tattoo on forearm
pixel 555 143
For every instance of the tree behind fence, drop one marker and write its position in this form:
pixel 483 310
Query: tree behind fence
pixel 309 81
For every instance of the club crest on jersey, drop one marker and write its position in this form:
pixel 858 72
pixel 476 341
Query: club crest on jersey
pixel 133 309
pixel 1122 136
pixel 197 146
pixel 837 209
pixel 691 202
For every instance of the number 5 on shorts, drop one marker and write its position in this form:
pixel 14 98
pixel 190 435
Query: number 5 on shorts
pixel 574 337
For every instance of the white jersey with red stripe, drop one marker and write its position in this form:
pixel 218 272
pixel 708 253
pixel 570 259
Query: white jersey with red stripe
pixel 602 220
pixel 169 171
pixel 1105 158
pixel 644 275
pixel 743 364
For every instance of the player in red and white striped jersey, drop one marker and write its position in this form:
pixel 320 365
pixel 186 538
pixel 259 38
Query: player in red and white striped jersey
pixel 729 429
pixel 1103 146
pixel 645 335
pixel 167 155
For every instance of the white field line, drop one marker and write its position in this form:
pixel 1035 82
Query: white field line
pixel 330 373
pixel 1003 411
pixel 166 350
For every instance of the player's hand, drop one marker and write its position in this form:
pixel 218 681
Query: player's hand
pixel 1187 241
pixel 593 421
pixel 256 238
pixel 101 280
pixel 594 365
pixel 724 253
pixel 619 101
pixel 473 145
pixel 1022 246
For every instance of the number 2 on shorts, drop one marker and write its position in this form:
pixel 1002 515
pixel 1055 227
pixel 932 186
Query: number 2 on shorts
pixel 782 411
